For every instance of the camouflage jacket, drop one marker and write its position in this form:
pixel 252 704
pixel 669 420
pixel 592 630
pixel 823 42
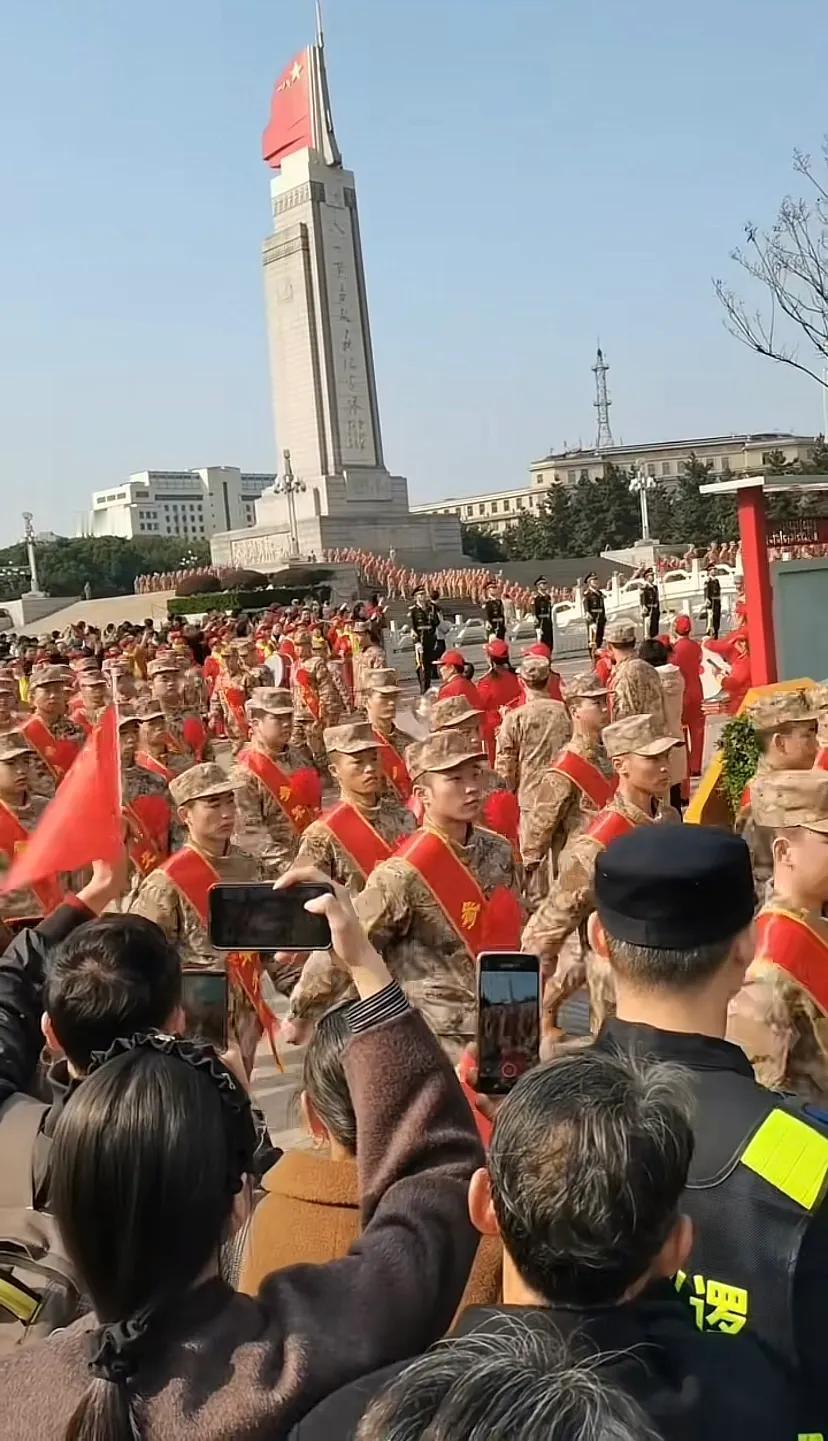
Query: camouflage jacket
pixel 43 781
pixel 25 903
pixel 529 738
pixel 559 814
pixel 759 840
pixel 263 830
pixel 160 901
pixel 781 1029
pixel 635 689
pixel 320 847
pixel 371 658
pixel 174 721
pixel 420 946
pixel 135 782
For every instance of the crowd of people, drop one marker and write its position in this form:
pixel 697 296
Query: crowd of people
pixel 628 1245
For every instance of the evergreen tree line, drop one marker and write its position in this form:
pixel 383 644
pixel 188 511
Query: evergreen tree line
pixel 109 563
pixel 597 515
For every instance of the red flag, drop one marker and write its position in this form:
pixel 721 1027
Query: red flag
pixel 83 822
pixel 290 126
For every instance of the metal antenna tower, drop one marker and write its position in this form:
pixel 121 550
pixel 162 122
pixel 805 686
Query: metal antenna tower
pixel 602 402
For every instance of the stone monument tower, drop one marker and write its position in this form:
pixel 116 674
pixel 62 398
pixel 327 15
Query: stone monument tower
pixel 339 491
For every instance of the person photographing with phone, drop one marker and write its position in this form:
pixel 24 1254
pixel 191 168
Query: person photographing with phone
pixel 448 893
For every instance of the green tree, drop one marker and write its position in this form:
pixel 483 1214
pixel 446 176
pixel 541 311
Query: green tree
pixel 588 517
pixel 661 511
pixel 480 543
pixel 109 563
pixel 620 521
pixel 524 540
pixel 693 514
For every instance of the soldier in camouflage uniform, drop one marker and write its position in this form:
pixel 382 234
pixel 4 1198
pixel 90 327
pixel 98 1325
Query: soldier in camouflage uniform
pixel 49 692
pixel 780 1016
pixel 165 682
pixel 264 827
pixel 818 699
pixel 153 753
pixel 562 808
pixel 9 705
pixel 137 782
pixel 355 766
pixel 634 687
pixel 206 807
pixel 457 714
pixel 786 728
pixel 530 736
pixel 638 749
pixel 401 913
pixel 368 656
pixel 231 693
pixel 94 697
pixel 18 804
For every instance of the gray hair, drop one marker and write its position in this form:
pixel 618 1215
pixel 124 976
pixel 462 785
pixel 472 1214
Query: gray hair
pixel 515 1384
pixel 651 967
pixel 588 1163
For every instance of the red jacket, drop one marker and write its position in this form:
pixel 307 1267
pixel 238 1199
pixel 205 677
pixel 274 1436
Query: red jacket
pixel 460 686
pixel 687 655
pixel 499 688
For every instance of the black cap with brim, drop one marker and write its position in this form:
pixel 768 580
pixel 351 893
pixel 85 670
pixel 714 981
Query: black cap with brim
pixel 674 887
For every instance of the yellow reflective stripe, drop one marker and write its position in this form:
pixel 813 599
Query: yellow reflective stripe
pixel 811 1436
pixel 790 1156
pixel 17 1301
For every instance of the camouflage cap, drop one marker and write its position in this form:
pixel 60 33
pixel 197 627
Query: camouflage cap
pixel 620 632
pixel 148 708
pixel 127 716
pixel 384 681
pixel 585 686
pixel 351 738
pixel 637 735
pixel 818 697
pixel 535 667
pixel 783 708
pixel 452 712
pixel 442 751
pixel 13 744
pixel 51 675
pixel 199 782
pixel 791 798
pixel 163 665
pixel 270 699
pixel 89 678
pixel 8 685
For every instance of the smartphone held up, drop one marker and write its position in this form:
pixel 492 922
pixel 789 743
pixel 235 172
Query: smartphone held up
pixel 255 917
pixel 508 1018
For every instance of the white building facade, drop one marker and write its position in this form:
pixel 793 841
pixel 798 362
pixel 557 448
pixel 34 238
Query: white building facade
pixel 192 504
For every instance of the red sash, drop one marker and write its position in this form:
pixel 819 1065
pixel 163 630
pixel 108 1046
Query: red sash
pixel 150 819
pixel 363 845
pixel 479 923
pixel 797 948
pixel 81 719
pixel 822 759
pixel 193 877
pixel 586 777
pixel 279 785
pixel 149 763
pixel 193 738
pixel 609 826
pixel 233 697
pixel 58 755
pixel 394 768
pixel 309 695
pixel 13 838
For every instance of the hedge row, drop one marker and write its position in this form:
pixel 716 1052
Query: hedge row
pixel 232 600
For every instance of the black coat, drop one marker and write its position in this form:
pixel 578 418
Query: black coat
pixel 694 1386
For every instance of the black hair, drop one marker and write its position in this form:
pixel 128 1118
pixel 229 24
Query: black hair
pixel 588 1162
pixel 323 1077
pixel 654 652
pixel 147 1156
pixel 111 977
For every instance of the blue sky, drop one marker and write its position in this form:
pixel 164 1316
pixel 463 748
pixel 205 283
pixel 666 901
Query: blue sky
pixel 531 175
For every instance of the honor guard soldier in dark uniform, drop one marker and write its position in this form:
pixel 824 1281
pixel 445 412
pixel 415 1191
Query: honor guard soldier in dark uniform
pixel 493 613
pixel 674 918
pixel 596 614
pixel 542 607
pixel 424 619
pixel 650 605
pixel 713 603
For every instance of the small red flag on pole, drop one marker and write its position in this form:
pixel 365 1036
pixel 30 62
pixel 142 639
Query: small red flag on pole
pixel 83 823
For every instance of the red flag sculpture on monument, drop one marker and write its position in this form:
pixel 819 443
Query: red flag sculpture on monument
pixel 83 822
pixel 290 126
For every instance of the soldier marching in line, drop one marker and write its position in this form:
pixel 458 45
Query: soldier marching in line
pixel 634 686
pixel 530 736
pixel 153 753
pixel 10 717
pixel 152 829
pixel 780 1016
pixel 186 735
pixel 650 605
pixel 449 892
pixel 494 613
pixel 49 732
pixel 713 604
pixel 786 728
pixel 424 619
pixel 20 811
pixel 638 749
pixel 381 709
pixel 542 610
pixel 93 698
pixel 577 784
pixel 230 693
pixel 277 792
pixel 596 614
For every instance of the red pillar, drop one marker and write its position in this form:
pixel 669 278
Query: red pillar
pixel 758 591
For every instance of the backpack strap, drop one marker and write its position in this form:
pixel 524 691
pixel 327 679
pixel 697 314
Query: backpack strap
pixel 20 1121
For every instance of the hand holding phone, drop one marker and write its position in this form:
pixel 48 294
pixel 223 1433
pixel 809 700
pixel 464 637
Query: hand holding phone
pixel 508 1019
pixel 261 917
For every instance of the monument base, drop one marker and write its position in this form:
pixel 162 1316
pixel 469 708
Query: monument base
pixel 424 542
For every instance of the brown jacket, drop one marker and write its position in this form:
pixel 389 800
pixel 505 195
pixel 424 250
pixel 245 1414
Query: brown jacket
pixel 227 1365
pixel 311 1215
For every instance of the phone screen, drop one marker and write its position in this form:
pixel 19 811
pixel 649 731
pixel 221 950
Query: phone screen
pixel 508 1025
pixel 257 918
pixel 204 999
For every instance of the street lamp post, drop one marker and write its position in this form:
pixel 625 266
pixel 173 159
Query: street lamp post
pixel 640 484
pixel 290 486
pixel 29 537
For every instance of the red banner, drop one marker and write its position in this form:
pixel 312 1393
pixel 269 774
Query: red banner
pixel 290 128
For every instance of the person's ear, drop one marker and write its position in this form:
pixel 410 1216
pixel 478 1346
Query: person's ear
pixel 315 1127
pixel 182 813
pixel 619 765
pixel 49 1036
pixel 481 1205
pixel 597 936
pixel 676 1249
